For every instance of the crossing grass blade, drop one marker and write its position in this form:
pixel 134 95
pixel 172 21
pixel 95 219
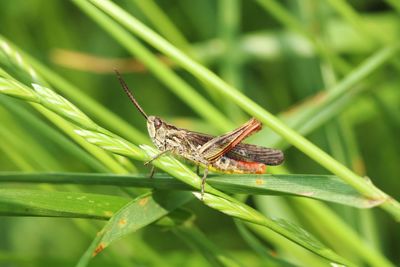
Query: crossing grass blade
pixel 22 202
pixel 136 214
pixel 323 187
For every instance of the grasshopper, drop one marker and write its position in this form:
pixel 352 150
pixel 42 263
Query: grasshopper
pixel 224 153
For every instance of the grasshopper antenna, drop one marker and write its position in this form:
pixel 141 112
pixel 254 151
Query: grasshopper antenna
pixel 129 93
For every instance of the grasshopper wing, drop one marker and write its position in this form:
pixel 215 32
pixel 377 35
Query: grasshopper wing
pixel 241 152
pixel 253 153
pixel 215 148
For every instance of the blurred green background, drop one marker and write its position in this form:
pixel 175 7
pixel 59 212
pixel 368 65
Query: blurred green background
pixel 250 45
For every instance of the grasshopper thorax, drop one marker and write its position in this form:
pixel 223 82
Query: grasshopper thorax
pixel 157 129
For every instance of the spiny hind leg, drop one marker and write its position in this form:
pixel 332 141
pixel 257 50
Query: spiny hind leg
pixel 203 182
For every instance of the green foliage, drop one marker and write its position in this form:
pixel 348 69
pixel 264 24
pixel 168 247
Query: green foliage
pixel 70 150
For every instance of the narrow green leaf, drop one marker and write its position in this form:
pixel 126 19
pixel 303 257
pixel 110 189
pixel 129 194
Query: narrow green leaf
pixel 138 213
pixel 23 202
pixel 324 187
pixel 15 89
pixel 198 240
pixel 290 231
pixel 262 251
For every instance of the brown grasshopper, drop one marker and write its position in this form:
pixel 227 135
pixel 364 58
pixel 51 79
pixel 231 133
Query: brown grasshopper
pixel 224 153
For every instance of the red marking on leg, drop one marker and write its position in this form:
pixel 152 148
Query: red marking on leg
pixel 252 167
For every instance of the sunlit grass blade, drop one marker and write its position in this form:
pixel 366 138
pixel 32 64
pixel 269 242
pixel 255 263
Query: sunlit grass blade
pixel 162 22
pixel 176 84
pixel 33 122
pixel 198 241
pixel 38 71
pixel 323 187
pixel 341 231
pixel 22 202
pixel 138 213
pixel 282 15
pixel 289 230
pixel 259 248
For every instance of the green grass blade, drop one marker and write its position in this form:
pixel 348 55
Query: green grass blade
pixel 177 85
pixel 138 213
pixel 21 202
pixel 162 23
pixel 33 122
pixel 343 233
pixel 198 241
pixel 72 92
pixel 283 16
pixel 289 230
pixel 259 248
pixel 323 187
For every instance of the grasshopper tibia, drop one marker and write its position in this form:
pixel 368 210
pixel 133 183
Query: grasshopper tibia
pixel 157 156
pixel 203 182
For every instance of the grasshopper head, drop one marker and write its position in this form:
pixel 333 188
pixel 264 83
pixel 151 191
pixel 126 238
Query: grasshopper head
pixel 156 128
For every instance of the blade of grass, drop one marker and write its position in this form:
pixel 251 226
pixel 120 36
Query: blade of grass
pixel 100 112
pixel 162 23
pixel 33 122
pixel 21 202
pixel 39 157
pixel 285 228
pixel 167 76
pixel 345 234
pixel 231 61
pixel 199 242
pixel 323 187
pixel 283 16
pixel 15 58
pixel 260 249
pixel 288 250
pixel 136 214
pixel 14 155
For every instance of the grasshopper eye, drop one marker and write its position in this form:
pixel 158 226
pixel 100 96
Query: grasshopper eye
pixel 157 123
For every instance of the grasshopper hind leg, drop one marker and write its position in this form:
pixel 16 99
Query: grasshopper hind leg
pixel 203 182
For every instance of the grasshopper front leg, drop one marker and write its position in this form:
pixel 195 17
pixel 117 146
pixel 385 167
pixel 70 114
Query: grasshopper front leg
pixel 154 158
pixel 157 156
